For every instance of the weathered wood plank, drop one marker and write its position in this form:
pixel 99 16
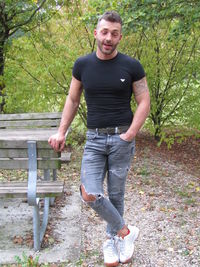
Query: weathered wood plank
pixel 30 123
pixel 22 144
pixel 31 116
pixel 43 189
pixel 23 153
pixel 39 182
pixel 26 134
pixel 12 164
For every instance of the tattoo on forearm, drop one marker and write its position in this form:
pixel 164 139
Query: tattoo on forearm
pixel 140 86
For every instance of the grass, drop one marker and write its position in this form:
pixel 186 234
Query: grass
pixel 27 261
pixel 183 194
pixel 143 171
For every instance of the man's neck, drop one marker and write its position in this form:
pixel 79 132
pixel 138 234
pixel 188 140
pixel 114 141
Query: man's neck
pixel 103 56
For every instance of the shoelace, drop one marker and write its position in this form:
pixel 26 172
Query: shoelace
pixel 110 249
pixel 121 243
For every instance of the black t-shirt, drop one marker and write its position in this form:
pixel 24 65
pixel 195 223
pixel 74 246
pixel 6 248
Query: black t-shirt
pixel 108 88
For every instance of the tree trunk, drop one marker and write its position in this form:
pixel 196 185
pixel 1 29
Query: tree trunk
pixel 2 85
pixel 157 133
pixel 157 124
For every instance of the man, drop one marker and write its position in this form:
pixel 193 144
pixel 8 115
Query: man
pixel 108 79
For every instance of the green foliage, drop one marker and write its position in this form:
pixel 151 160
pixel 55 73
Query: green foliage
pixel 27 261
pixel 170 67
pixel 24 16
pixel 141 15
pixel 40 64
pixel 77 135
pixel 17 18
pixel 185 15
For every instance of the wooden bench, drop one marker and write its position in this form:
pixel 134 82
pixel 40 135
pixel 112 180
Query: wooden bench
pixel 37 125
pixel 23 145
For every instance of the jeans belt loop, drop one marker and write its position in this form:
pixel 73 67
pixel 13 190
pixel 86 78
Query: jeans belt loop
pixel 116 130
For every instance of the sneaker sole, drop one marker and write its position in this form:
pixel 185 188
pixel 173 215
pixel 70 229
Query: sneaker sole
pixel 111 264
pixel 127 261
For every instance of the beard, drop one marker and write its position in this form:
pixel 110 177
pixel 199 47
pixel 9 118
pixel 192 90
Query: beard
pixel 106 48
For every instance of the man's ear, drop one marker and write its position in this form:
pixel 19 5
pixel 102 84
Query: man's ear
pixel 95 33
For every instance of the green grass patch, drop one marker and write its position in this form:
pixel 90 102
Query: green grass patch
pixel 27 261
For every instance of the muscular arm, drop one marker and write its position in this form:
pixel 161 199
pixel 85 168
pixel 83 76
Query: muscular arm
pixel 57 141
pixel 141 93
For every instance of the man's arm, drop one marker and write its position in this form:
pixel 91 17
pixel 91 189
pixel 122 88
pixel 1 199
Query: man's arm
pixel 57 141
pixel 141 93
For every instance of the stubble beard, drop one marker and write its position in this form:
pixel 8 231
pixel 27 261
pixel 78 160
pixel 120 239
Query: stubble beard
pixel 104 51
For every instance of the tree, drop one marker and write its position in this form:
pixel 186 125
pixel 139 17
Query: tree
pixel 170 32
pixel 16 18
pixel 53 47
pixel 171 68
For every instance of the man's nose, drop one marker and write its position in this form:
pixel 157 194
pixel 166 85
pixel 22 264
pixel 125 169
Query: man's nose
pixel 108 37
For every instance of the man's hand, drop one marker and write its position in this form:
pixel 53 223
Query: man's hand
pixel 127 137
pixel 57 141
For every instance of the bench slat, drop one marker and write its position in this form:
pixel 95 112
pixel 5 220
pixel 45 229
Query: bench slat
pixel 30 123
pixel 30 116
pixel 12 164
pixel 22 144
pixel 33 134
pixel 39 182
pixel 23 153
pixel 44 189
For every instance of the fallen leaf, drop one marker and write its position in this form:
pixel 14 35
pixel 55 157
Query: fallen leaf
pixel 170 249
pixel 18 240
pixel 141 192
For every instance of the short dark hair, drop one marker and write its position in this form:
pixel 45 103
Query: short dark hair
pixel 111 16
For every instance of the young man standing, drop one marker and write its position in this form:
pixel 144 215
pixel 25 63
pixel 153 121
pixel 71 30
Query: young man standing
pixel 108 78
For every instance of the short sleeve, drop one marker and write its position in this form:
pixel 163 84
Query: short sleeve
pixel 76 72
pixel 138 71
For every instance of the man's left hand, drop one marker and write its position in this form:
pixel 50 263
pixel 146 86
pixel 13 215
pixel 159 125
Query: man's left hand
pixel 127 137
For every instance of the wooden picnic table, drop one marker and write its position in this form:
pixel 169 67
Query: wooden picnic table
pixel 24 145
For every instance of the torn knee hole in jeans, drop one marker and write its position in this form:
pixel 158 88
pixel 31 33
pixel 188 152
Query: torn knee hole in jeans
pixel 89 197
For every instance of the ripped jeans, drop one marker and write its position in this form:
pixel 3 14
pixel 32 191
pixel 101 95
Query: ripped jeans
pixel 107 154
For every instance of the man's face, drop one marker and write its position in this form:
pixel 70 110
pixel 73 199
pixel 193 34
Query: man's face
pixel 108 35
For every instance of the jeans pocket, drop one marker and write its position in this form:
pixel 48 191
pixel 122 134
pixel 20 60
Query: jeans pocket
pixel 128 144
pixel 125 141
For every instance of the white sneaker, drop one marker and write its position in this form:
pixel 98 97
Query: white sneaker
pixel 126 244
pixel 111 257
